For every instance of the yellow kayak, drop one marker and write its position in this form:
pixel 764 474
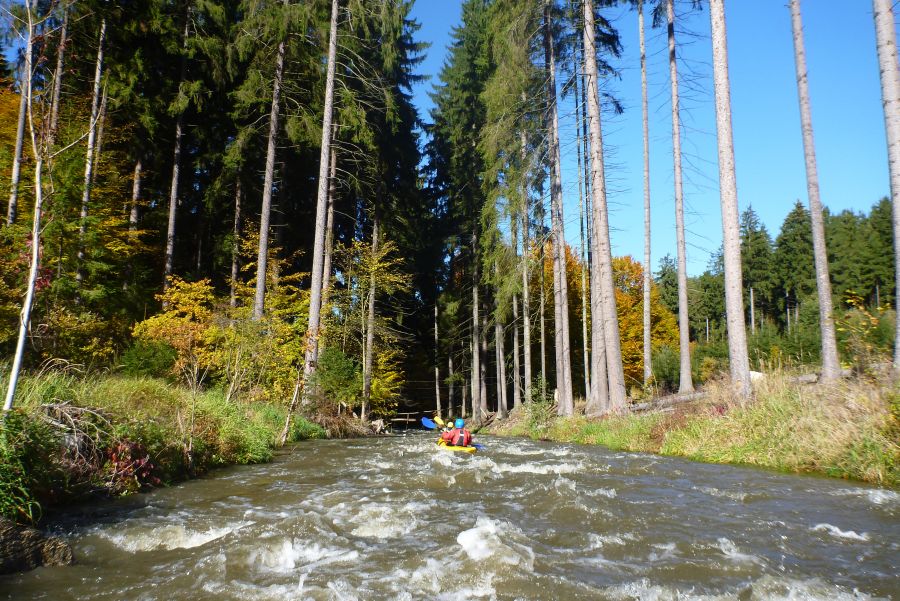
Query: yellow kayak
pixel 449 447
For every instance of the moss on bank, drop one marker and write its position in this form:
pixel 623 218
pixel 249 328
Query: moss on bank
pixel 71 437
pixel 846 430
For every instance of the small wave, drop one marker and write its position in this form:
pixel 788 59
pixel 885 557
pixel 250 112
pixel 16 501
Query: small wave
pixel 174 536
pixel 767 588
pixel 494 539
pixel 838 533
pixel 730 550
pixel 537 468
pixel 598 541
pixel 290 554
pixel 715 492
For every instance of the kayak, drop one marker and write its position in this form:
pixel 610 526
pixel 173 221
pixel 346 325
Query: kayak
pixel 449 447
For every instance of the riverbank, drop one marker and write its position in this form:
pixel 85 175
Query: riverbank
pixel 850 429
pixel 72 437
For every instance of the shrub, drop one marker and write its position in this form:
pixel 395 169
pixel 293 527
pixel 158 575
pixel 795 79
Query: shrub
pixel 148 358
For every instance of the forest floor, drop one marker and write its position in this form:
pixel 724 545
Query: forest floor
pixel 73 437
pixel 849 429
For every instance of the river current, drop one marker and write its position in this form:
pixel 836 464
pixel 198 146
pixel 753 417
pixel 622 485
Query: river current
pixel 397 518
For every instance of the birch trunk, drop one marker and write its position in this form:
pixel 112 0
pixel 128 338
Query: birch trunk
pixel 329 223
pixel 737 333
pixel 315 302
pixel 648 366
pixel 886 43
pixel 101 127
pixel 603 295
pixel 176 171
pixel 25 315
pixel 686 384
pixel 262 256
pixel 557 235
pixel 89 156
pixel 236 243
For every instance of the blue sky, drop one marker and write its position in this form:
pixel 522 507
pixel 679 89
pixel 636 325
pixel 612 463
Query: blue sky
pixel 846 106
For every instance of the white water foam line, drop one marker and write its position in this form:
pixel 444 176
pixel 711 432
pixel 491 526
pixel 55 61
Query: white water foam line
pixel 287 555
pixel 152 537
pixel 598 541
pixel 767 588
pixel 715 492
pixel 378 520
pixel 731 551
pixel 838 533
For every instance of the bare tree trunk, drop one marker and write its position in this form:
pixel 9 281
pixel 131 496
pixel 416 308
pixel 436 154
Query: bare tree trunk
pixel 752 312
pixel 57 80
pixel 450 393
pixel 12 207
pixel 315 302
pixel 262 255
pixel 482 372
pixel 25 316
pixel 133 213
pixel 465 393
pixel 686 384
pixel 557 234
pixel 476 323
pixel 737 333
pixel 517 369
pixel 584 265
pixel 526 292
pixel 101 126
pixel 176 170
pixel 329 222
pixel 89 156
pixel 543 309
pixel 886 43
pixel 500 350
pixel 437 369
pixel 648 368
pixel 369 352
pixel 603 292
pixel 236 243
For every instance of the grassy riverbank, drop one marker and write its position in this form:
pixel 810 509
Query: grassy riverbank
pixel 71 437
pixel 846 430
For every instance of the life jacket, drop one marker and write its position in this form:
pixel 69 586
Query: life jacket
pixel 460 438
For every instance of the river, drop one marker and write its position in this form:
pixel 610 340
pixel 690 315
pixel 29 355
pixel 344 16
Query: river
pixel 396 518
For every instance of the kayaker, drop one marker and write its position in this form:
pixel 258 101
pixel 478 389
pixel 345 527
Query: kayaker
pixel 459 436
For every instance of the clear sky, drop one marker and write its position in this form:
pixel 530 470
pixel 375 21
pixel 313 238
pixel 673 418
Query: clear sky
pixel 846 107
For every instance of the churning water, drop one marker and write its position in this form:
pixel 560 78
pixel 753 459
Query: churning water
pixel 397 518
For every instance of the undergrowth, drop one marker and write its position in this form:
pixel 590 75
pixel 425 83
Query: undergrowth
pixel 72 436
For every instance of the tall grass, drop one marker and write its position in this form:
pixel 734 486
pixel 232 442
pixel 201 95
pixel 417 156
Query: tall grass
pixel 850 429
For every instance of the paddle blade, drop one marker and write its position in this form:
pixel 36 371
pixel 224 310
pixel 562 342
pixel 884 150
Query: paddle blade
pixel 439 421
pixel 478 446
pixel 428 423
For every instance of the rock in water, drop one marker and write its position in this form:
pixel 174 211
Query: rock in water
pixel 23 548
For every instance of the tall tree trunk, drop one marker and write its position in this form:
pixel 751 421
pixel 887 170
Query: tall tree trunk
pixel 89 156
pixel 133 213
pixel 686 384
pixel 500 351
pixel 176 167
pixel 315 301
pixel 450 393
pixel 543 311
pixel 734 310
pixel 437 369
pixel 25 315
pixel 369 351
pixel 236 242
pixel 482 372
pixel 57 80
pixel 603 291
pixel 517 369
pixel 886 43
pixel 13 205
pixel 476 323
pixel 648 366
pixel 526 292
pixel 329 221
pixel 584 266
pixel 557 234
pixel 101 127
pixel 262 255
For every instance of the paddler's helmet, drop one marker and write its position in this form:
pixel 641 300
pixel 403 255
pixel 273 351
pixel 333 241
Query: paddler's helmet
pixel 459 423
